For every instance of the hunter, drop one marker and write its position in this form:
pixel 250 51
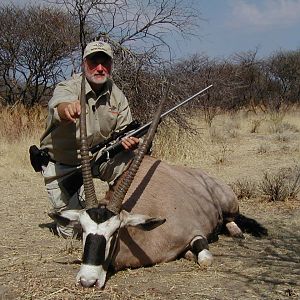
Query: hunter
pixel 107 112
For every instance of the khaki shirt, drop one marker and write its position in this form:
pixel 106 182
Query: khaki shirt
pixel 107 113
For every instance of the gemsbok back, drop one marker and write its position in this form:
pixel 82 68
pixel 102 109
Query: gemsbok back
pixel 157 213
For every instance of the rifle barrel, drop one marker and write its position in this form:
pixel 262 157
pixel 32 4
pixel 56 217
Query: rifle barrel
pixel 143 129
pixel 175 107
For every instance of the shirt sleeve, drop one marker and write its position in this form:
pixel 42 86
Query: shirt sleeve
pixel 66 91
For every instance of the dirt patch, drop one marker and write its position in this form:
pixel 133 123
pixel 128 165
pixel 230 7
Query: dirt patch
pixel 38 265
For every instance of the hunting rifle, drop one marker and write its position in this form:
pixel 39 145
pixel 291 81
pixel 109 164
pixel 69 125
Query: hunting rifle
pixel 113 145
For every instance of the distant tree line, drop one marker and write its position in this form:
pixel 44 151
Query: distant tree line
pixel 41 45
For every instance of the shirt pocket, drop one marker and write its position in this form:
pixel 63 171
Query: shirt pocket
pixel 107 121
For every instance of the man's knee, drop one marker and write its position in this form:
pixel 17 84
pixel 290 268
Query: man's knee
pixel 64 187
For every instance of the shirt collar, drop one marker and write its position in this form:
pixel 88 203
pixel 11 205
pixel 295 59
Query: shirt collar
pixel 106 89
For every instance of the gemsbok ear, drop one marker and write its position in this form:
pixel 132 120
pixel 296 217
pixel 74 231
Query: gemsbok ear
pixel 143 222
pixel 65 217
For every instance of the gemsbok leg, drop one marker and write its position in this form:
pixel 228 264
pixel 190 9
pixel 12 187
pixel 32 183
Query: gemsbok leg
pixel 199 251
pixel 234 230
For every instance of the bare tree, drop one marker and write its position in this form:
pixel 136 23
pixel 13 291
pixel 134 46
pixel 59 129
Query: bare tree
pixel 136 25
pixel 198 71
pixel 250 80
pixel 34 42
pixel 283 69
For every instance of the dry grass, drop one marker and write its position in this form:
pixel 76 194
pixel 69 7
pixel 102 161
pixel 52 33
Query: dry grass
pixel 19 128
pixel 244 188
pixel 18 122
pixel 281 186
pixel 229 142
pixel 36 265
pixel 230 148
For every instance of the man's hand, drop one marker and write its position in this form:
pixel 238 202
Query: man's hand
pixel 130 143
pixel 69 111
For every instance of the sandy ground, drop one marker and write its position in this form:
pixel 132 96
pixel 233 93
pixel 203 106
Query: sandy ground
pixel 35 264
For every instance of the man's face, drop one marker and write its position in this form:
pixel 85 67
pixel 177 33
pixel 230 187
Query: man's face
pixel 97 68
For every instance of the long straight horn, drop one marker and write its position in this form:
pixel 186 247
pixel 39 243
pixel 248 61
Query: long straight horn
pixel 88 184
pixel 115 205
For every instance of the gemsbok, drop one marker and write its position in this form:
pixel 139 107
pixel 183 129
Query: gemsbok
pixel 156 213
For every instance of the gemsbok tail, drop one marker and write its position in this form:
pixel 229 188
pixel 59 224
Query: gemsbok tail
pixel 251 226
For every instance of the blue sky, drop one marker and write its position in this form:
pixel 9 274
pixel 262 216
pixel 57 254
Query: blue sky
pixel 231 26
pixel 239 25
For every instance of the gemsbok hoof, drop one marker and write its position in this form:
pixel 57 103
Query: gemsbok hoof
pixel 205 259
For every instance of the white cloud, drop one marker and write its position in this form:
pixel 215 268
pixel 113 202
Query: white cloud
pixel 264 14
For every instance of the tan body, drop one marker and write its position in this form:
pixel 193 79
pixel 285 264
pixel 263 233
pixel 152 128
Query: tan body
pixel 193 203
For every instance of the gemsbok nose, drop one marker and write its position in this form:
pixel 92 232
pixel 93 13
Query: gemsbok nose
pixel 87 282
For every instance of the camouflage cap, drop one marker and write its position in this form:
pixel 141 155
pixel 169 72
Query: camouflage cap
pixel 97 46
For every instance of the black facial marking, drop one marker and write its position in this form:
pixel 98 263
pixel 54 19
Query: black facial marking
pixel 198 245
pixel 94 250
pixel 100 214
